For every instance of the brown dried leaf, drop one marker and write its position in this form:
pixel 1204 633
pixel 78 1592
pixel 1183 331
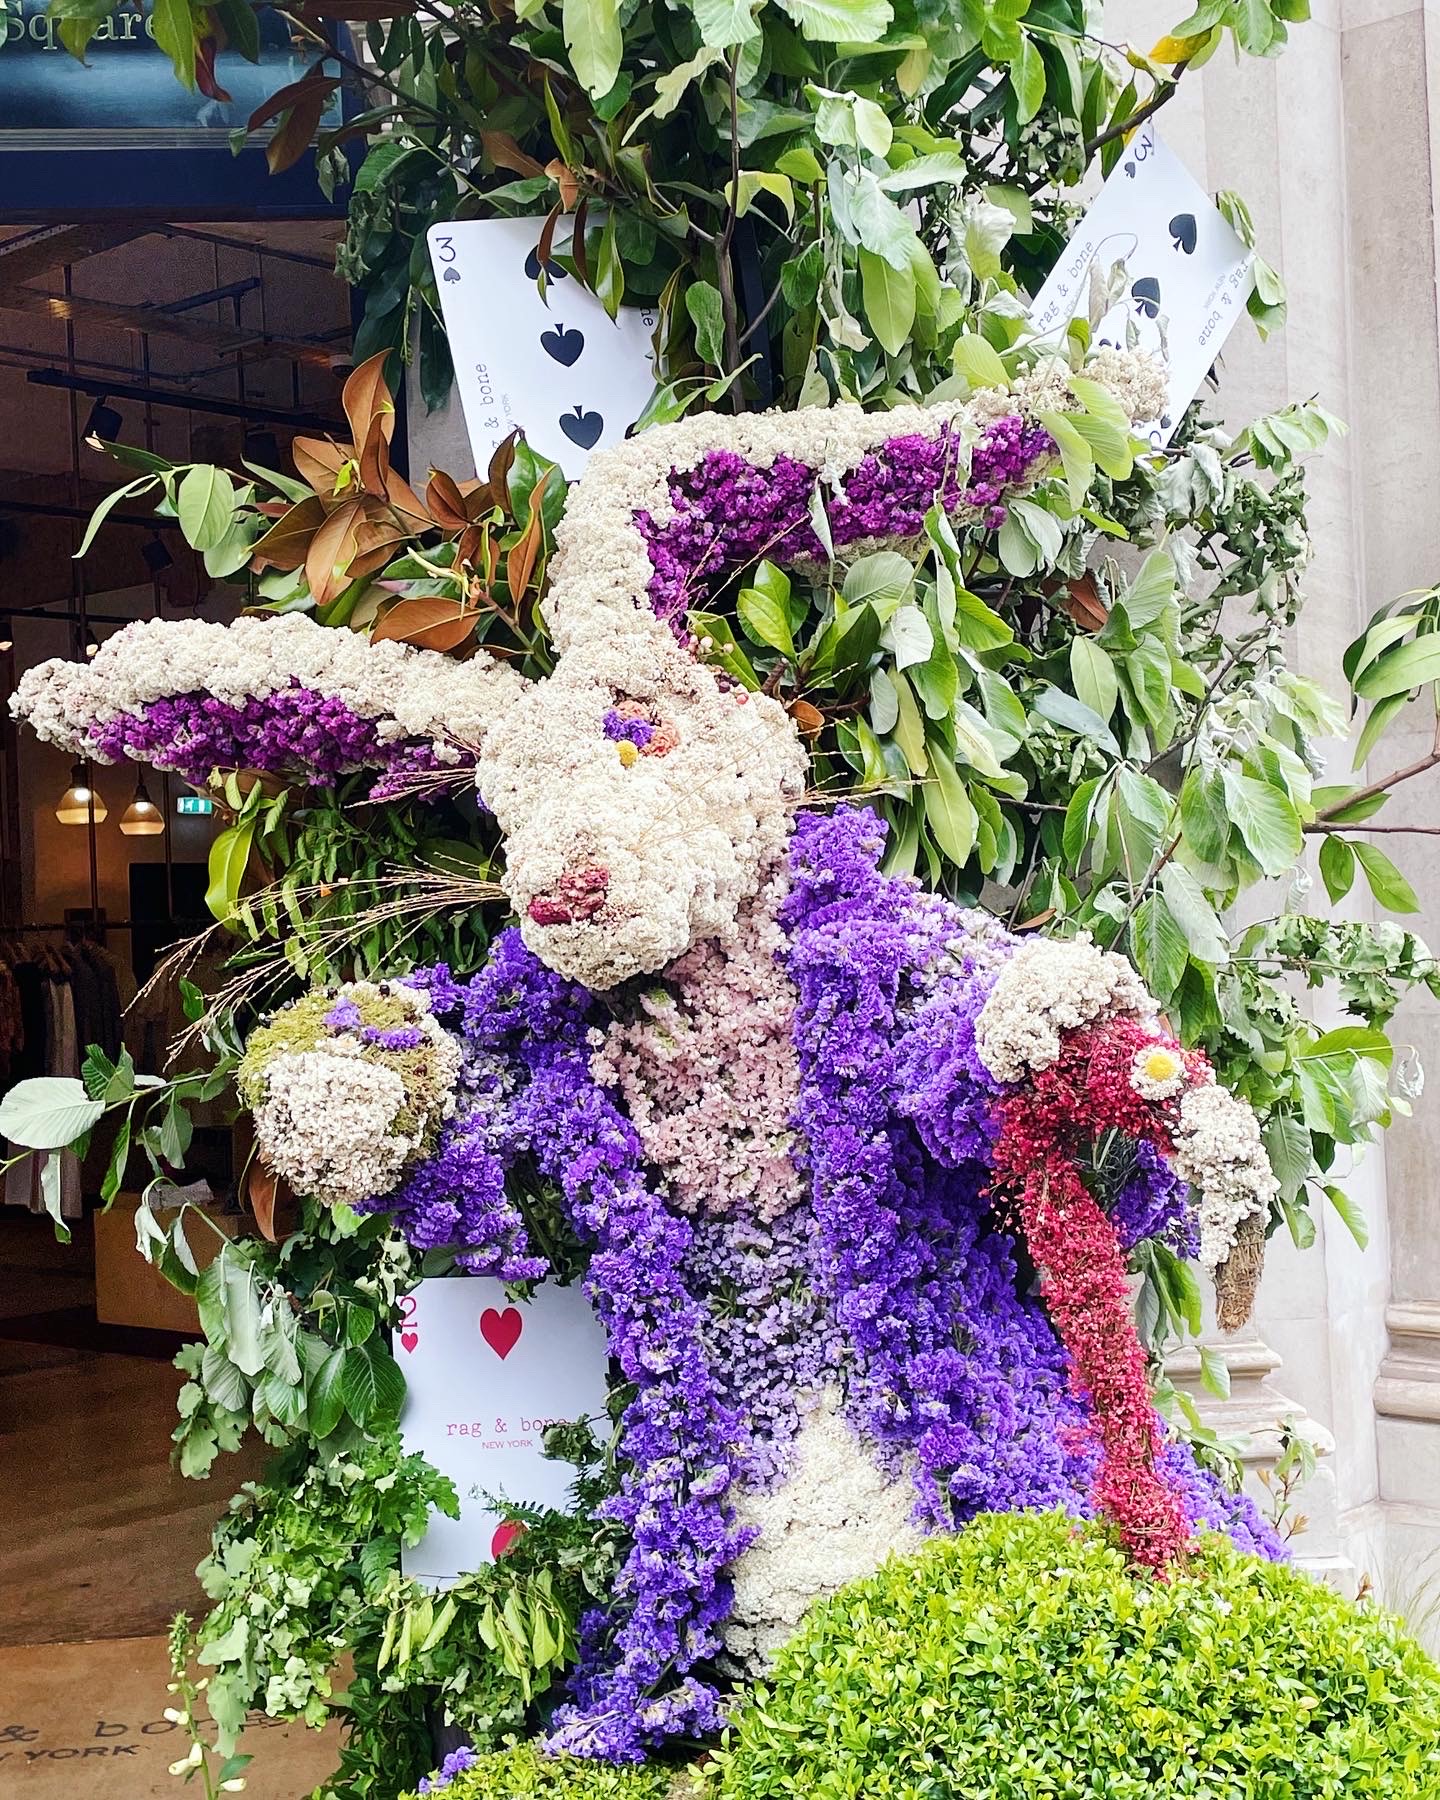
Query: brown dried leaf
pixel 445 502
pixel 429 621
pixel 521 557
pixel 331 552
pixel 1083 603
pixel 268 1195
pixel 566 180
pixel 809 720
pixel 287 542
pixel 501 462
pixel 319 461
pixel 370 408
pixel 505 153
pixel 296 131
pixel 404 499
pixel 577 243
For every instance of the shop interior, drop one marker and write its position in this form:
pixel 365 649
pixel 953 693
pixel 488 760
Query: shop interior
pixel 210 342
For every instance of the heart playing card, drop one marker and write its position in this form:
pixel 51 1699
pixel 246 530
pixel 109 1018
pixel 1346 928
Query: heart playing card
pixel 554 365
pixel 1185 273
pixel 485 1375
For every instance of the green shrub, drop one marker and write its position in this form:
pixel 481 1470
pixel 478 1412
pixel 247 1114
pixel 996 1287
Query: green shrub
pixel 1022 1661
pixel 522 1773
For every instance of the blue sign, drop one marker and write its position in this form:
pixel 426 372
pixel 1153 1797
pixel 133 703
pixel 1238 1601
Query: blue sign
pixel 119 133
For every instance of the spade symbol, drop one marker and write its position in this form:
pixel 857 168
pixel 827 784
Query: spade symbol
pixel 553 271
pixel 1182 230
pixel 1146 295
pixel 452 274
pixel 582 428
pixel 1130 170
pixel 563 344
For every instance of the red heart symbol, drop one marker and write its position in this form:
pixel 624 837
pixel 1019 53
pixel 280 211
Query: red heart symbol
pixel 409 1339
pixel 501 1331
pixel 505 1536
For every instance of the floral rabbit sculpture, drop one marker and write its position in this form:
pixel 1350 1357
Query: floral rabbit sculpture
pixel 820 1155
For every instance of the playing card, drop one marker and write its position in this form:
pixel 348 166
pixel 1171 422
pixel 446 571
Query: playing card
pixel 484 1377
pixel 1187 272
pixel 557 367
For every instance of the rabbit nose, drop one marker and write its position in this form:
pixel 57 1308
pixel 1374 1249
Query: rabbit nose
pixel 577 896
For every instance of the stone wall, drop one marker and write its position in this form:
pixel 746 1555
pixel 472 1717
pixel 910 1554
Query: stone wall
pixel 1335 147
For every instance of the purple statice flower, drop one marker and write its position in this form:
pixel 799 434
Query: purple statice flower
pixel 727 512
pixel 393 1037
pixel 297 731
pixel 456 1200
pixel 941 1085
pixel 680 1438
pixel 456 1763
pixel 621 730
pixel 774 1344
pixel 954 1369
pixel 1207 1501
pixel 1154 1203
pixel 344 1015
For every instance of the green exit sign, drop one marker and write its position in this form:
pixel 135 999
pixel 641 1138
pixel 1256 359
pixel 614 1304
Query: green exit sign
pixel 194 805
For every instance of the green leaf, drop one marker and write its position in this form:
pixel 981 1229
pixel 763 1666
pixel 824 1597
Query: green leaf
pixel 1266 820
pixel 1203 818
pixel 978 362
pixel 48 1112
pixel 1076 457
pixel 173 26
pixel 765 620
pixel 909 728
pixel 840 21
pixel 725 22
pixel 324 1398
pixel 879 223
pixel 1337 867
pixel 888 297
pixel 1214 1371
pixel 949 811
pixel 1093 674
pixel 1027 77
pixel 1073 715
pixel 943 166
pixel 372 1384
pixel 707 314
pixel 1159 947
pixel 1400 669
pixel 240 1310
pixel 229 857
pixel 131 489
pixel 205 506
pixel 1208 940
pixel 1350 1212
pixel 884 580
pixel 1387 884
pixel 592 37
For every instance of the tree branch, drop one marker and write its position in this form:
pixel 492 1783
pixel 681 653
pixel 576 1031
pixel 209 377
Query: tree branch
pixel 1164 92
pixel 1393 779
pixel 724 271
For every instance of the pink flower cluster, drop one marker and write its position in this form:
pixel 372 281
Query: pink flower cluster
pixel 707 1072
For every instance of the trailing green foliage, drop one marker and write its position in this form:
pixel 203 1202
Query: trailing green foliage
pixel 1024 1658
pixel 523 1773
pixel 306 1565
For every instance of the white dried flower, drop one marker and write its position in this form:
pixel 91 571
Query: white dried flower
pixel 835 1520
pixel 1051 986
pixel 1157 1071
pixel 1219 1153
pixel 326 1125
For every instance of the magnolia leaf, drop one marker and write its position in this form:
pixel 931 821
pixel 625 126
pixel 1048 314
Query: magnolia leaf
pixel 707 314
pixel 765 621
pixel 1337 866
pixel 1208 940
pixel 1159 947
pixel 888 296
pixel 725 22
pixel 592 37
pixel 978 361
pixel 949 811
pixel 205 505
pixel 907 636
pixel 48 1113
pixel 1093 674
pixel 1027 77
pixel 840 21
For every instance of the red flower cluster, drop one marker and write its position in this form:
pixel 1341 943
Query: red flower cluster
pixel 1043 1129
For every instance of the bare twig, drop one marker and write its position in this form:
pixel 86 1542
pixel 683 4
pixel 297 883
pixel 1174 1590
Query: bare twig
pixel 1164 92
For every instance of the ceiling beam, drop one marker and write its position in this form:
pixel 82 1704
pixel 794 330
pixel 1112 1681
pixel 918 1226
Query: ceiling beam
pixel 33 253
pixel 147 321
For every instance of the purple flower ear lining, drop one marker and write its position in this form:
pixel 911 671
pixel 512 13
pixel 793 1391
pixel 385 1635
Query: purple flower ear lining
pixel 729 512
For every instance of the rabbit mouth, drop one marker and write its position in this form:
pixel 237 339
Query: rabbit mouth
pixel 575 898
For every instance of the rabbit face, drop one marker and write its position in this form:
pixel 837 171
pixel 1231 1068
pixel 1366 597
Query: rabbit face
pixel 640 801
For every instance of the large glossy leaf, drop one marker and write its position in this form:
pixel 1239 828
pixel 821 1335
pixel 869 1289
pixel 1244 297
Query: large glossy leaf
pixel 1266 820
pixel 48 1112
